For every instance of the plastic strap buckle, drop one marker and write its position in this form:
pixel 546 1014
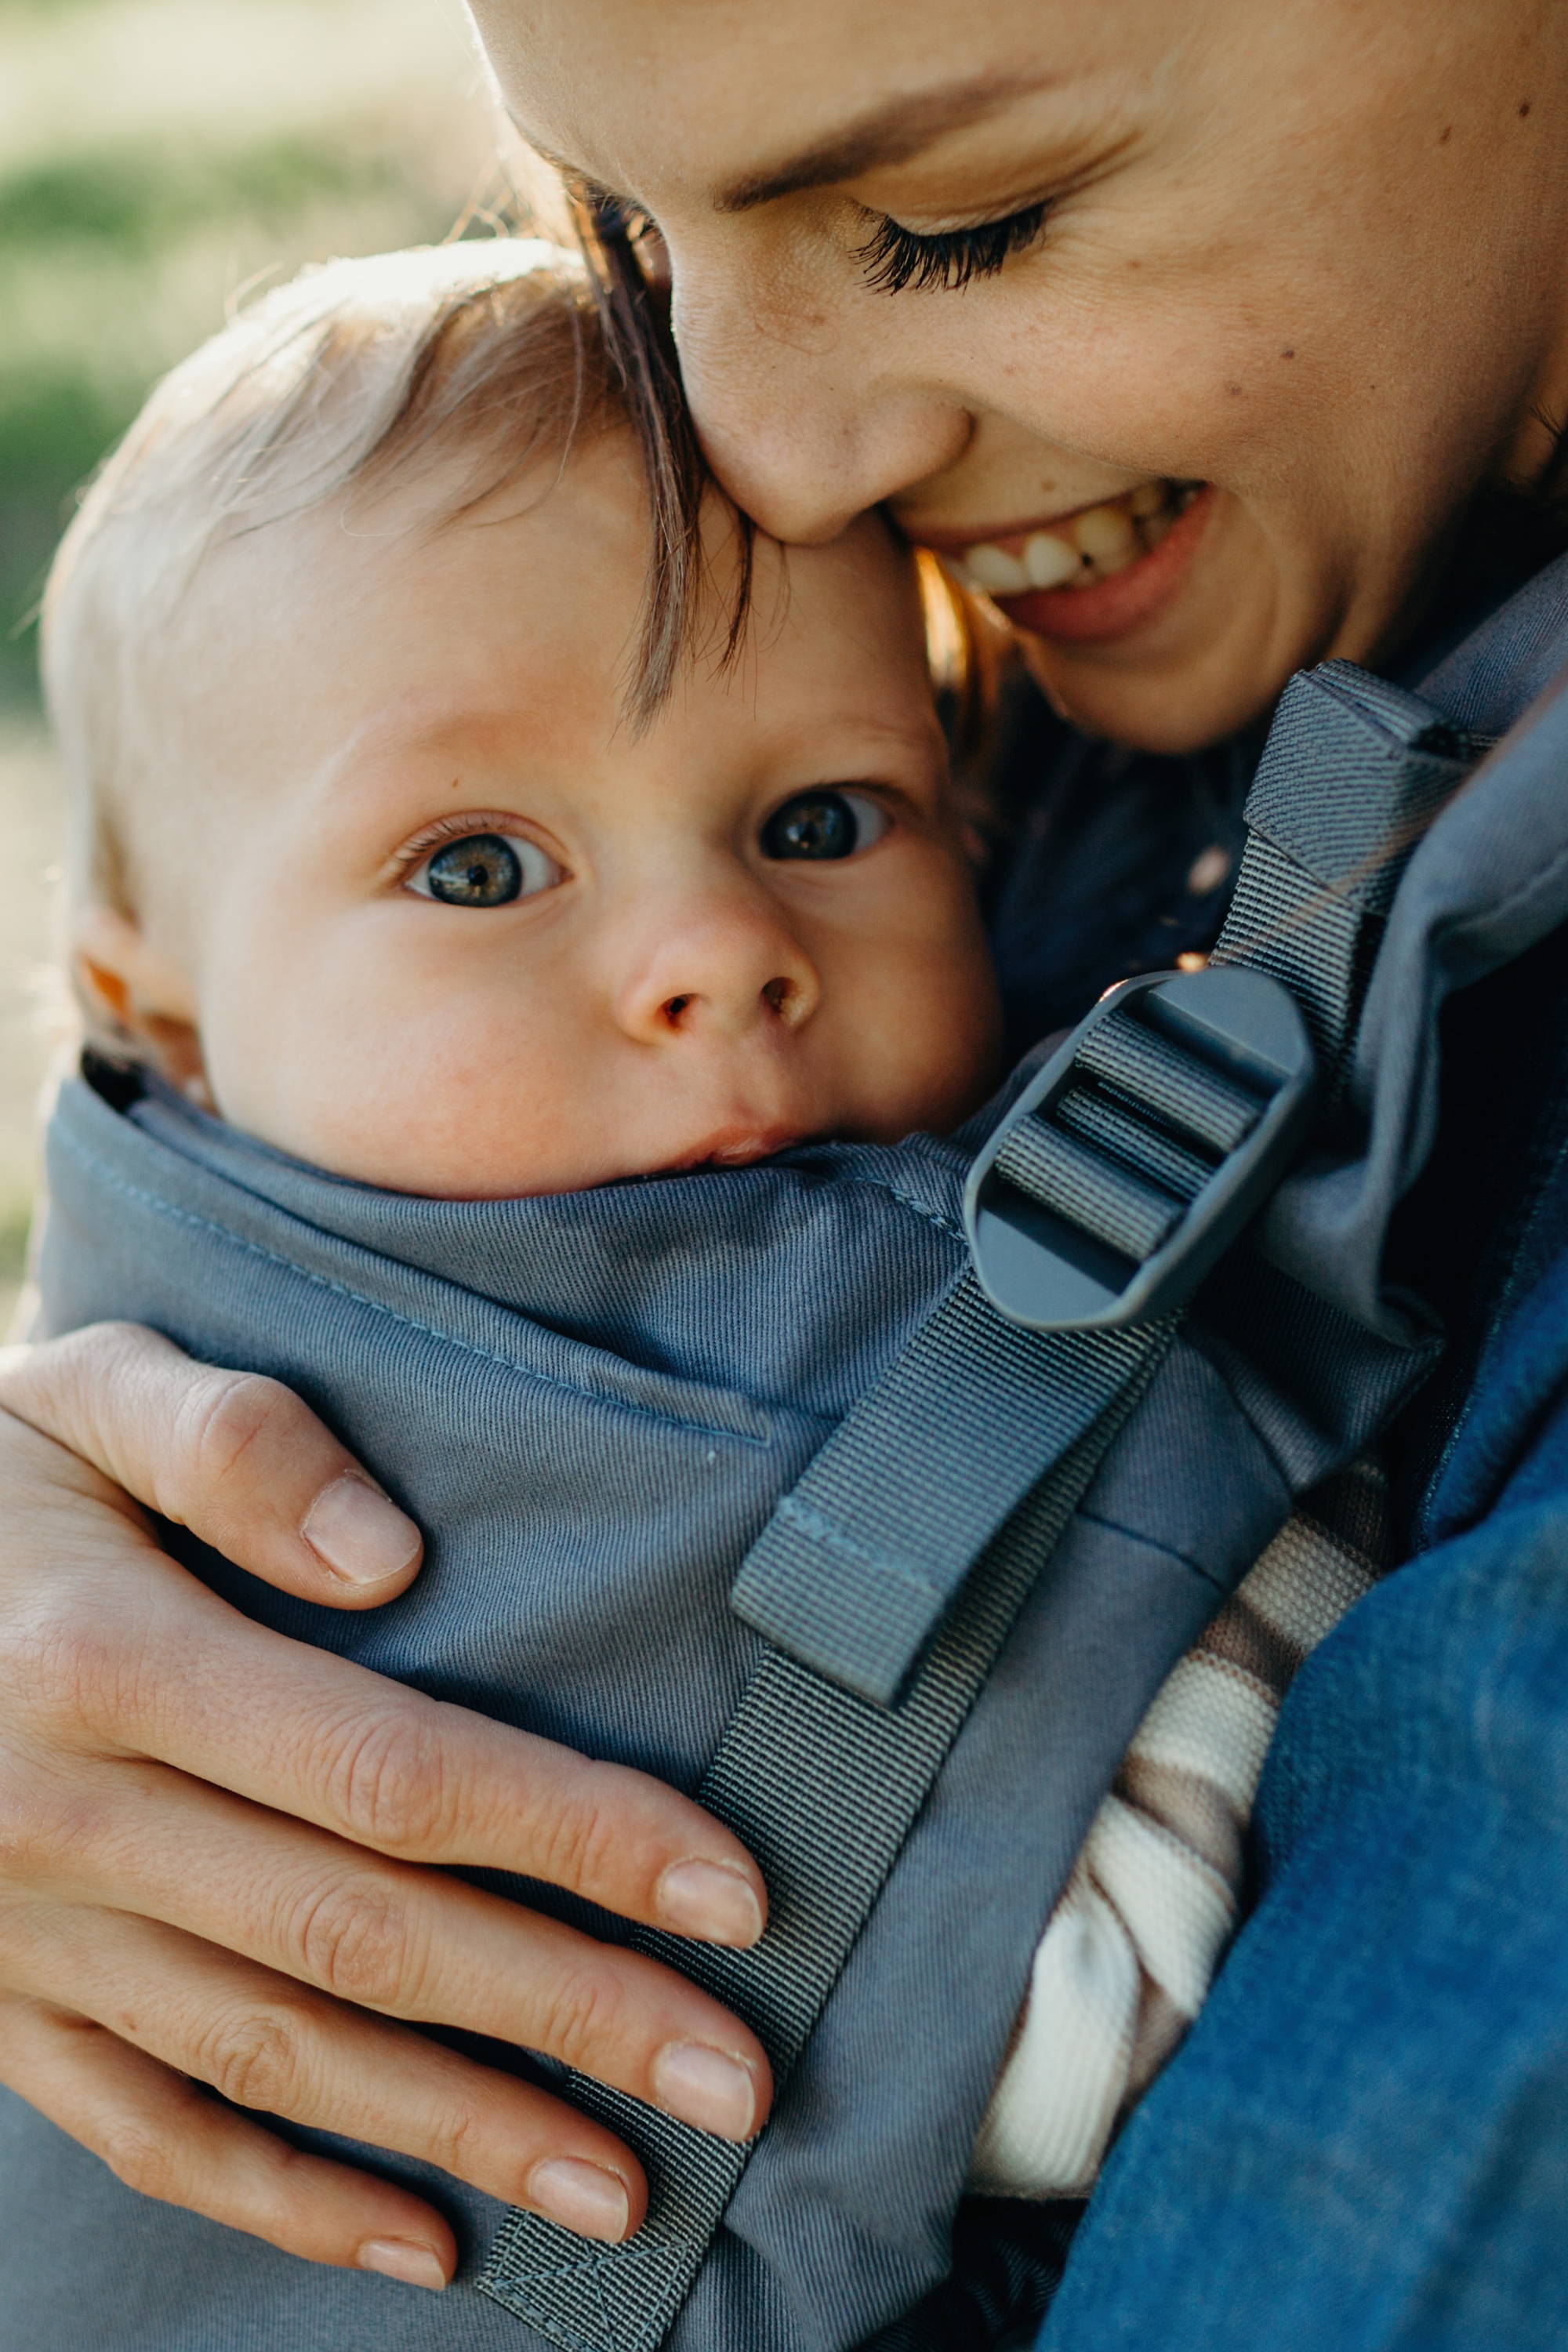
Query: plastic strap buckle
pixel 1132 1160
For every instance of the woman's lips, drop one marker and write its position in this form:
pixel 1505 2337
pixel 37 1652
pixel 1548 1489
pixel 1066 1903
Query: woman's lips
pixel 1131 557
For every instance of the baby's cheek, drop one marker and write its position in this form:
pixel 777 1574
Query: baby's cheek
pixel 413 1105
pixel 289 1074
pixel 455 1085
pixel 314 1050
pixel 928 1045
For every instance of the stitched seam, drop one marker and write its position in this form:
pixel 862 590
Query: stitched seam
pixel 1151 1543
pixel 812 1523
pixel 916 1208
pixel 377 1307
pixel 1264 1447
pixel 602 2298
pixel 601 2271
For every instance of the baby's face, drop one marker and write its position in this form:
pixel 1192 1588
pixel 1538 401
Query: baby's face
pixel 451 926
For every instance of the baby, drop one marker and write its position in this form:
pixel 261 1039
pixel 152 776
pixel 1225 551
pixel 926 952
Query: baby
pixel 369 858
pixel 371 861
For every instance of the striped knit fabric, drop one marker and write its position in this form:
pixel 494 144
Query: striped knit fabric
pixel 1132 1946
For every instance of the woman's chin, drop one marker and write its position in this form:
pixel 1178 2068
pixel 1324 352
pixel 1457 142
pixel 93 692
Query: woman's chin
pixel 1209 664
pixel 1163 709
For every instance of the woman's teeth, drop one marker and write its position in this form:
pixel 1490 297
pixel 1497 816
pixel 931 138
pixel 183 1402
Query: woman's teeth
pixel 1090 547
pixel 991 568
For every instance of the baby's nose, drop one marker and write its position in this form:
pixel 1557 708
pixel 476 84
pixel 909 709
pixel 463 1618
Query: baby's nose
pixel 718 974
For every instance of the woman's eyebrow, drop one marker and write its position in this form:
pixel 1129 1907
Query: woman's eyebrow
pixel 891 133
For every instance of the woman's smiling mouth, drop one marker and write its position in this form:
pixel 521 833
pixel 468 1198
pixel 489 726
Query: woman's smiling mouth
pixel 1091 576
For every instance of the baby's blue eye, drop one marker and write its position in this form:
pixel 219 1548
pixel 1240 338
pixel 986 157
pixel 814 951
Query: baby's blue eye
pixel 485 869
pixel 824 825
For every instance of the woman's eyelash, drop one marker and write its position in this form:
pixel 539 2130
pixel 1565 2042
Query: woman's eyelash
pixel 613 217
pixel 894 258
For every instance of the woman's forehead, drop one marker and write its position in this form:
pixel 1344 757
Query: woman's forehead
pixel 744 101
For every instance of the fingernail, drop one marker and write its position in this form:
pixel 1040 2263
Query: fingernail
pixel 359 1534
pixel 711 1899
pixel 706 2087
pixel 580 2197
pixel 404 2258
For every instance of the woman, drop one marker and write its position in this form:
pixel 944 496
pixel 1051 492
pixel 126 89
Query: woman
pixel 1291 286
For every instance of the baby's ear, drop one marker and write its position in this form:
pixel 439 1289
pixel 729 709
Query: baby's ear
pixel 137 997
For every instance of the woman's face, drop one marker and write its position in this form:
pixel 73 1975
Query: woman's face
pixel 1307 254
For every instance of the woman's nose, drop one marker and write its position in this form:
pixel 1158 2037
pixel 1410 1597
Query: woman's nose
pixel 715 972
pixel 798 418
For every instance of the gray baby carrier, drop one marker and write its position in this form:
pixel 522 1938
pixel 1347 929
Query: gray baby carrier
pixel 870 1495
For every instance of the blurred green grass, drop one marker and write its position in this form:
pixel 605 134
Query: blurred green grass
pixel 95 271
pixel 156 158
pixel 15 1217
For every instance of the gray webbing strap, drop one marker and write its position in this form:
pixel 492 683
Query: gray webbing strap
pixel 823 1788
pixel 862 1561
pixel 1354 772
pixel 974 1448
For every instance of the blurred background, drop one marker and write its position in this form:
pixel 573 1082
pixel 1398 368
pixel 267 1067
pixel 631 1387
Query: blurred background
pixel 157 158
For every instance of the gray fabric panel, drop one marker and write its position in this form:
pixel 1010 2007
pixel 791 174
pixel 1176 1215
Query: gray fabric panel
pixel 89 2266
pixel 586 1518
pixel 1488 880
pixel 1504 666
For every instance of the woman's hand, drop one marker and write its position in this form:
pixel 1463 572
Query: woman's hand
pixel 211 1840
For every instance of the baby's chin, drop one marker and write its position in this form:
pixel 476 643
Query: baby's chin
pixel 524 1180
pixel 473 1158
pixel 724 1149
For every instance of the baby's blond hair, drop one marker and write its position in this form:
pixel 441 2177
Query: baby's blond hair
pixel 353 373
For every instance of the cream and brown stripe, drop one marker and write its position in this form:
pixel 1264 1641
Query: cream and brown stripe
pixel 1132 1946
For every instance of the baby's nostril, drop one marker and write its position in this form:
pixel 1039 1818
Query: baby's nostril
pixel 779 996
pixel 674 1010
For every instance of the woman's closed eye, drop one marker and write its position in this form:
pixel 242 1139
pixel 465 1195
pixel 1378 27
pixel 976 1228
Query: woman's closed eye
pixel 894 258
pixel 484 870
pixel 824 823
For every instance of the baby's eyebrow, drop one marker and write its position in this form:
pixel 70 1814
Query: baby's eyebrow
pixel 454 730
pixel 890 134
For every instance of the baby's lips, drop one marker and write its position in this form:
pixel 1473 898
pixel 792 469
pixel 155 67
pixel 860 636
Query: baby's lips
pixel 738 1147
